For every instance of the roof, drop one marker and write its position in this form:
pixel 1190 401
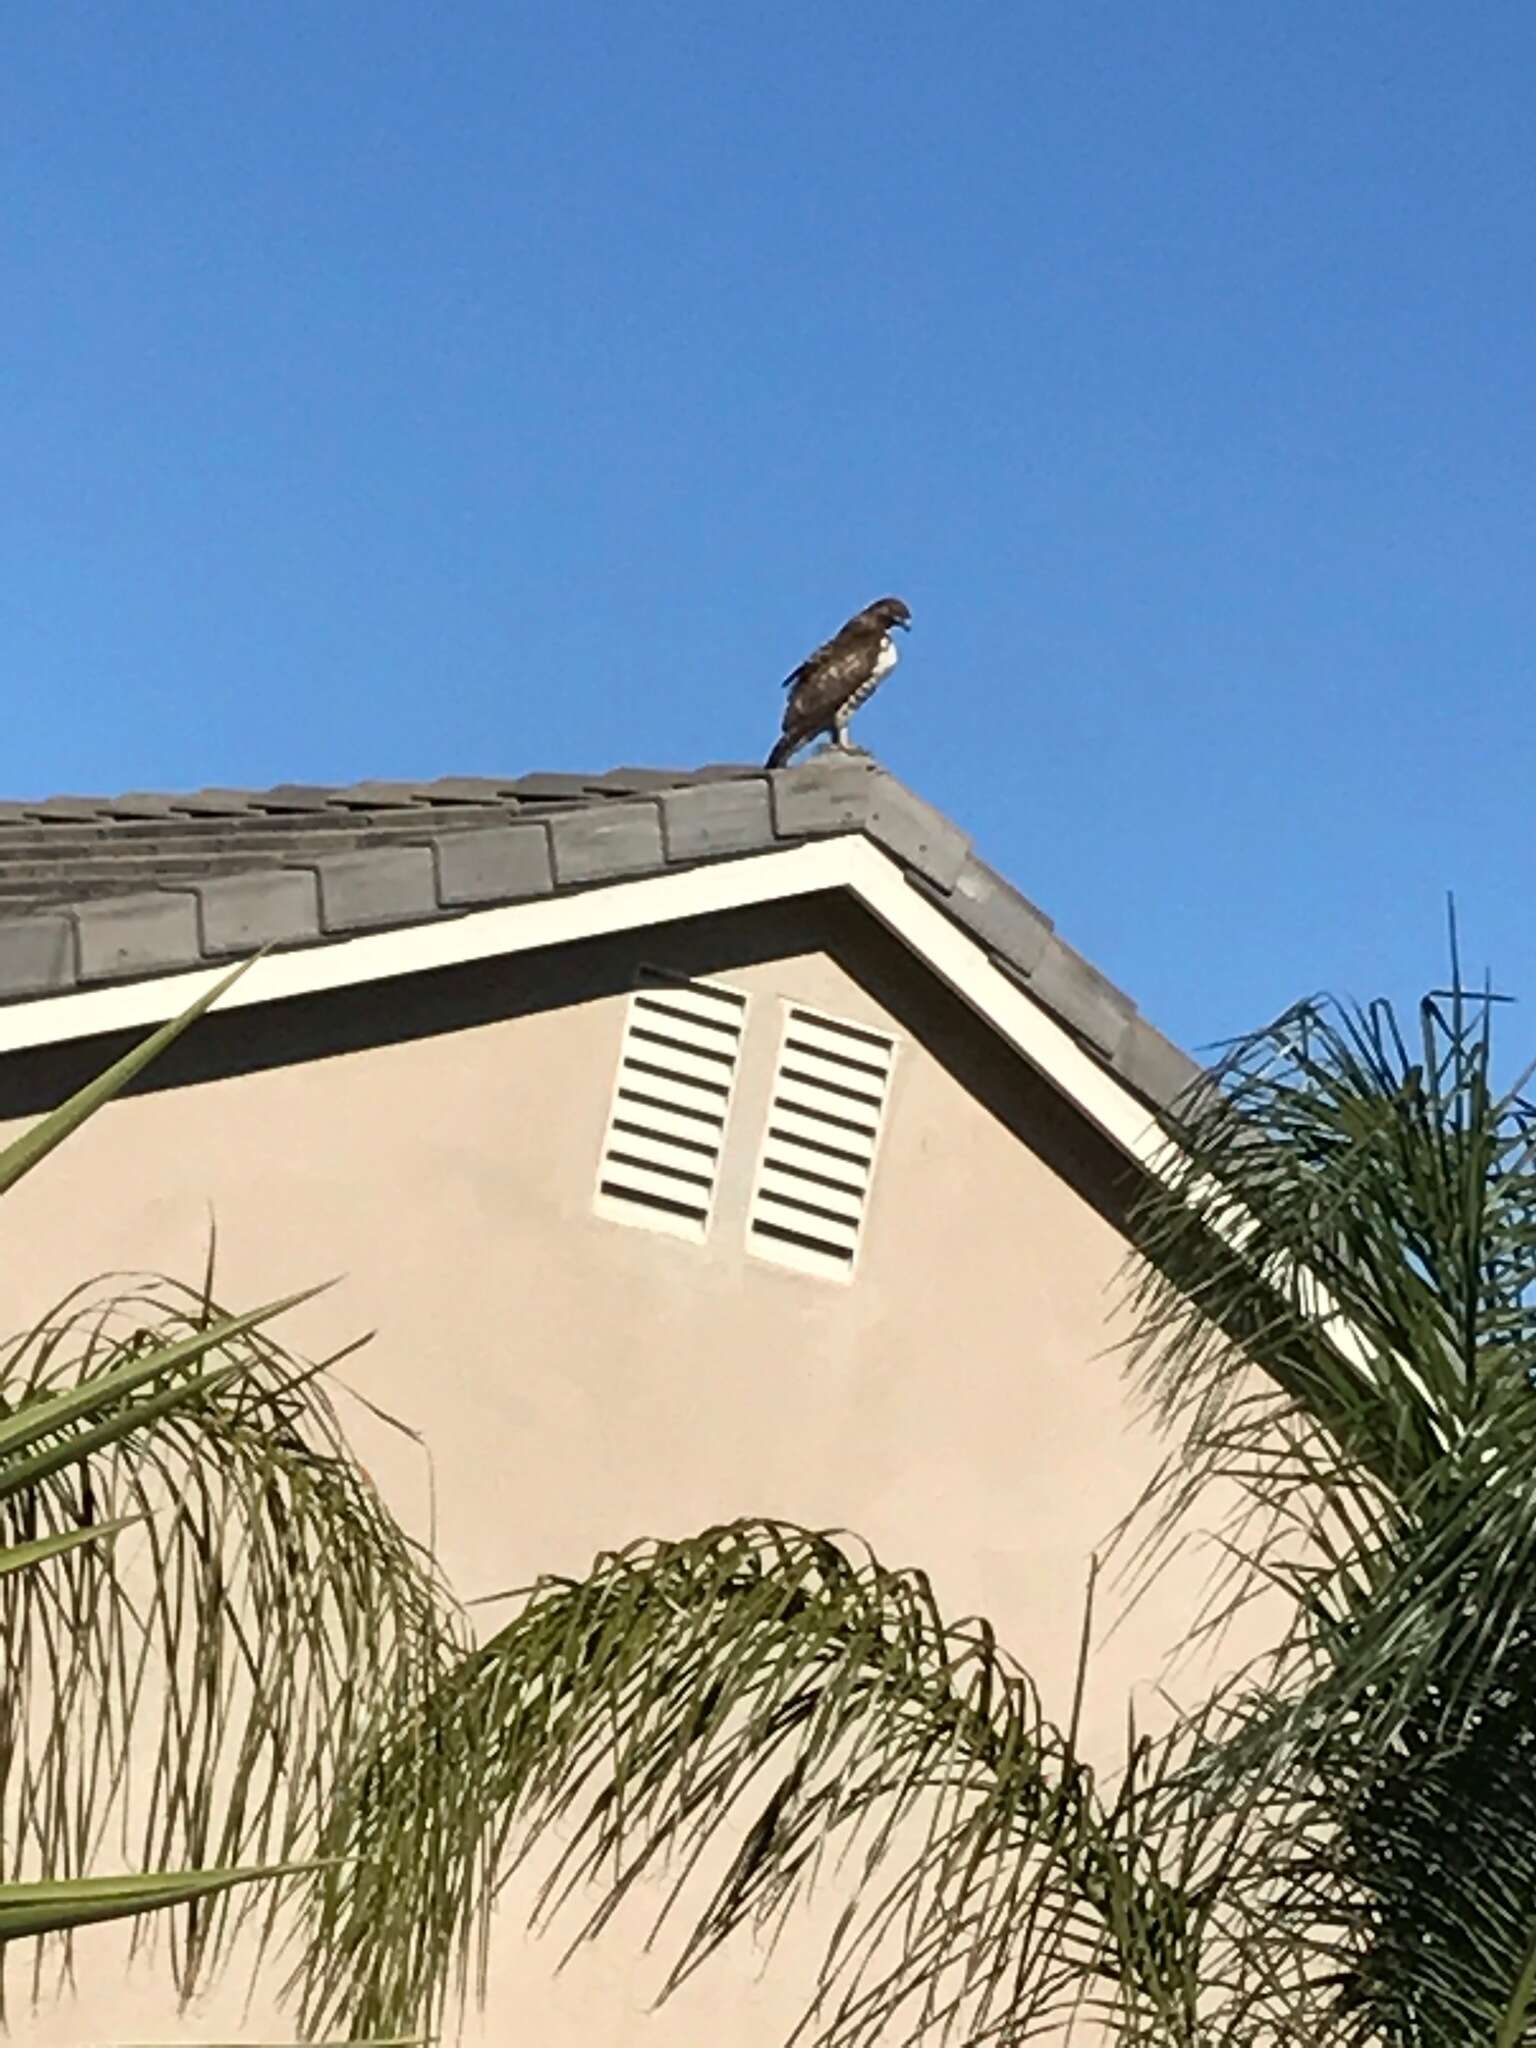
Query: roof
pixel 97 890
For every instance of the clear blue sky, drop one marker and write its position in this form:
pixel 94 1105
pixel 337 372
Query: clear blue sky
pixel 396 390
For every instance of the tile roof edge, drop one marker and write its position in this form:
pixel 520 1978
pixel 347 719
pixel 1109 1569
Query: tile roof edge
pixel 626 826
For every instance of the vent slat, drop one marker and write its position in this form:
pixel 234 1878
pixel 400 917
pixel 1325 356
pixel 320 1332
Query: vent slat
pixel 852 1093
pixel 661 1199
pixel 663 1145
pixel 649 1051
pixel 839 1256
pixel 631 1112
pixel 811 1192
pixel 855 1094
pixel 702 1113
pixel 844 1123
pixel 696 1027
pixel 833 1231
pixel 855 1038
pixel 798 1191
pixel 809 1134
pixel 657 1174
pixel 696 998
pixel 837 1045
pixel 791 1157
pixel 666 1123
pixel 669 1037
pixel 701 1034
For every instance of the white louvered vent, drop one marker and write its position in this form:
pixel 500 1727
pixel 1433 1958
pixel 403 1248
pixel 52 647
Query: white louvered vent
pixel 677 1069
pixel 818 1156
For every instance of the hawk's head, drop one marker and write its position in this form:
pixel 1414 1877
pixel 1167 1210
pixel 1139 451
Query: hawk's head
pixel 886 612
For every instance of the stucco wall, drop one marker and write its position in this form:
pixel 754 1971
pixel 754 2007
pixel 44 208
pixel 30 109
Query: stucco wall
pixel 581 1382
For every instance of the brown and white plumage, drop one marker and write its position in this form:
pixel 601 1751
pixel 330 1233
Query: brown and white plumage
pixel 843 673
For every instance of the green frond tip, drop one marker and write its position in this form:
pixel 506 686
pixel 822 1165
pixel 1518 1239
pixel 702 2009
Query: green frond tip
pixel 52 1906
pixel 47 1414
pixel 41 1138
pixel 20 1557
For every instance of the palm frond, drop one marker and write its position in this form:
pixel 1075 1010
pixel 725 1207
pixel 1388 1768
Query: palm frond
pixel 187 1694
pixel 182 1696
pixel 765 1683
pixel 1380 1455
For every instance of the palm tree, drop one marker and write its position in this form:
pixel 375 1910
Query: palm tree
pixel 206 1613
pixel 1334 1299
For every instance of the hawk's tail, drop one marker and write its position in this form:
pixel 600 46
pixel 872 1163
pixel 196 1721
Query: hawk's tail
pixel 783 750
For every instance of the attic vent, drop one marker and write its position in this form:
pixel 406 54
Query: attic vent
pixel 813 1175
pixel 677 1068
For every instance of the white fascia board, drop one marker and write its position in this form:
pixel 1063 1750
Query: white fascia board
pixel 882 887
pixel 848 862
pixel 445 942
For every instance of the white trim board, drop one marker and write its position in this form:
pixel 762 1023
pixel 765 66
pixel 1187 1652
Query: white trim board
pixel 849 862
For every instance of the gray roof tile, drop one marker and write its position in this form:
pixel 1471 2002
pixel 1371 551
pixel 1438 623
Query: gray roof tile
pixel 151 933
pixel 379 886
pixel 921 838
pixel 634 781
pixel 295 864
pixel 218 803
pixel 37 954
pixel 711 818
pixel 600 845
pixel 381 796
pixel 66 807
pixel 1154 1066
pixel 463 789
pixel 293 796
pixel 995 913
pixel 830 793
pixel 542 788
pixel 1081 996
pixel 720 771
pixel 272 907
pixel 138 803
pixel 500 864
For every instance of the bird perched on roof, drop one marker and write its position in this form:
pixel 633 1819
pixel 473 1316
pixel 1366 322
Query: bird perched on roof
pixel 844 672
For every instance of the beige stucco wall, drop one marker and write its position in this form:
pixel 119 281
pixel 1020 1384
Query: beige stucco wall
pixel 581 1383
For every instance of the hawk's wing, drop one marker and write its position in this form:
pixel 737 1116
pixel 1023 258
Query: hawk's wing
pixel 817 654
pixel 826 680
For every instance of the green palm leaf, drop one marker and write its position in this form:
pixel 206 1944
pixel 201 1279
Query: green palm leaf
pixel 41 1138
pixel 256 1616
pixel 21 1557
pixel 764 1683
pixel 1382 1462
pixel 27 1910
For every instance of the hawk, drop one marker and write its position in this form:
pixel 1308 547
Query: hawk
pixel 844 672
